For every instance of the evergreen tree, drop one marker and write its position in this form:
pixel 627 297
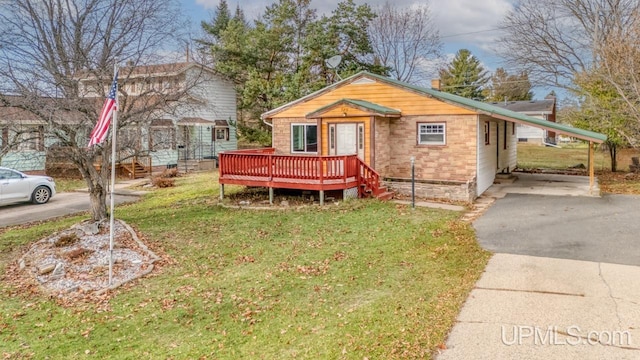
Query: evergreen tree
pixel 281 56
pixel 239 15
pixel 464 76
pixel 220 21
pixel 505 87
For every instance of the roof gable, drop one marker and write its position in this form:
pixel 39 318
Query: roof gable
pixel 371 90
pixel 363 108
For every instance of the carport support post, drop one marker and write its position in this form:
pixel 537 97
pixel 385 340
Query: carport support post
pixel 591 170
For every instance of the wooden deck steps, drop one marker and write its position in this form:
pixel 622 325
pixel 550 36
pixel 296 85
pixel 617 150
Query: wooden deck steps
pixel 135 170
pixel 381 193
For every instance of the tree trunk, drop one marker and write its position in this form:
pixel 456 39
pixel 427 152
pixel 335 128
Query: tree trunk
pixel 98 203
pixel 96 183
pixel 613 154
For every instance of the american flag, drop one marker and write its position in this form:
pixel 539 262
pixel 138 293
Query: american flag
pixel 101 129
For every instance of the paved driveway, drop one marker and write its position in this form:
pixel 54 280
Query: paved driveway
pixel 60 205
pixel 562 284
pixel 602 229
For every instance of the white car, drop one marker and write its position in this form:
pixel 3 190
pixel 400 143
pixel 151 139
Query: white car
pixel 16 187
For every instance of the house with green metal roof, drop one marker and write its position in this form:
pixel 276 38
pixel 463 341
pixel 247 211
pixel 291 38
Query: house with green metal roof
pixel 455 145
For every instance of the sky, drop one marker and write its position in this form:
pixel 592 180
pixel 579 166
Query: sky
pixel 463 24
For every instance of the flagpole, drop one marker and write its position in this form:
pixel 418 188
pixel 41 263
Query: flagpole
pixel 114 131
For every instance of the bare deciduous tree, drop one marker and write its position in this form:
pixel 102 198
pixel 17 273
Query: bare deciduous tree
pixel 404 39
pixel 552 40
pixel 619 65
pixel 49 47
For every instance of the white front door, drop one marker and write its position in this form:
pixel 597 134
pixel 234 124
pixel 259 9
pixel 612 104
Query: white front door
pixel 346 139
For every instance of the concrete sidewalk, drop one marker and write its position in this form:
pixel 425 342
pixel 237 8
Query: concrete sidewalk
pixel 124 187
pixel 526 307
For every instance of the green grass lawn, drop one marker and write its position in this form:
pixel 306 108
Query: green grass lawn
pixel 364 279
pixel 541 157
pixel 65 185
pixel 534 156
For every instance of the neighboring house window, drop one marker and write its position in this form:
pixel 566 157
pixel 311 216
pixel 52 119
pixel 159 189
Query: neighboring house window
pixel 432 134
pixel 487 133
pixel 221 133
pixel 162 138
pixel 304 138
pixel 129 138
pixel 32 139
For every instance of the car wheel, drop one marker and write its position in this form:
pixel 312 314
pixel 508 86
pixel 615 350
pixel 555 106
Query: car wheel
pixel 41 195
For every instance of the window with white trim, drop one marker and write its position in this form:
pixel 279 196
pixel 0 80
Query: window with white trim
pixel 432 134
pixel 221 133
pixel 162 138
pixel 304 138
pixel 31 138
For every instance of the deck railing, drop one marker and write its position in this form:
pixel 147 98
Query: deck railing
pixel 264 163
pixel 369 178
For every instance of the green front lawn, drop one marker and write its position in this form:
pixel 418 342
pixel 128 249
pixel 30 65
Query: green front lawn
pixel 364 279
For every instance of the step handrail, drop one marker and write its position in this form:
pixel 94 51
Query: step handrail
pixel 369 179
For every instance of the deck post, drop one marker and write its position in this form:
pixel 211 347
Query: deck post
pixel 321 197
pixel 221 191
pixel 270 196
pixel 591 170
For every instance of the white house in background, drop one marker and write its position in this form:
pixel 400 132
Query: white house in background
pixel 188 133
pixel 194 130
pixel 542 109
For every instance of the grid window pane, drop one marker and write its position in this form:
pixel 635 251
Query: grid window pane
pixel 433 134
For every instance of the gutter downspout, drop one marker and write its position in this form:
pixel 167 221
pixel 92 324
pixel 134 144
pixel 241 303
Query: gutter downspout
pixel 269 125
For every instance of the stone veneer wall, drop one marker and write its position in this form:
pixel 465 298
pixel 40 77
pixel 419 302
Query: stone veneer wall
pixel 454 191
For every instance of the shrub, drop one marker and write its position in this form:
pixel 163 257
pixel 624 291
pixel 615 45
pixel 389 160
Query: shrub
pixel 163 182
pixel 169 173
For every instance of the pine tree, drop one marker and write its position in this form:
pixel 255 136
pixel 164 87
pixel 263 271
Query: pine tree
pixel 220 21
pixel 505 87
pixel 464 76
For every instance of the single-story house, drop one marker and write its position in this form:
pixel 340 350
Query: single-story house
pixel 543 109
pixel 457 145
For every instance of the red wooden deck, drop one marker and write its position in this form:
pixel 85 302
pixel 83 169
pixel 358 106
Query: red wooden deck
pixel 263 167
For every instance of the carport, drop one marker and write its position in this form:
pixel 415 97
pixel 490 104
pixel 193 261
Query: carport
pixel 544 184
pixel 586 135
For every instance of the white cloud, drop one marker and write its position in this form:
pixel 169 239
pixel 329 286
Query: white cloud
pixel 469 20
